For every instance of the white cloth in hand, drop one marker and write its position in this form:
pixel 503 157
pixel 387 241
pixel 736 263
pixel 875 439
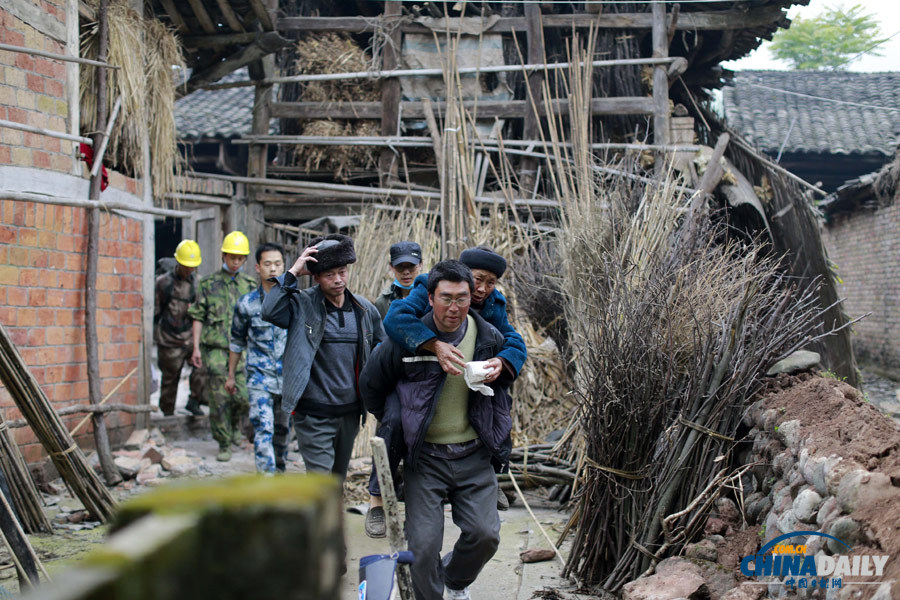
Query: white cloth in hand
pixel 475 373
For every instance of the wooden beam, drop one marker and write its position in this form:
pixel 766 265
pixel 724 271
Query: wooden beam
pixel 62 57
pixel 265 19
pixel 34 15
pixel 660 77
pixel 105 206
pixel 390 91
pixel 175 16
pixel 219 41
pixel 531 125
pixel 710 20
pixel 512 109
pixel 230 16
pixel 202 16
pixel 266 44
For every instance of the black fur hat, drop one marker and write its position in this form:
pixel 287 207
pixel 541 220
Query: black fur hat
pixel 335 250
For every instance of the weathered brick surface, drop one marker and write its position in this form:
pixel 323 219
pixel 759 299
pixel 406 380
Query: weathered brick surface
pixel 42 307
pixel 865 246
pixel 33 91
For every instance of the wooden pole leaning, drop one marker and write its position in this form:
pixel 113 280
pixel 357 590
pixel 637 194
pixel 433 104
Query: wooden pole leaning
pixel 392 514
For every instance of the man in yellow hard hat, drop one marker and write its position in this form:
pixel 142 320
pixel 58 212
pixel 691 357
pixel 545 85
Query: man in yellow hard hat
pixel 212 314
pixel 175 292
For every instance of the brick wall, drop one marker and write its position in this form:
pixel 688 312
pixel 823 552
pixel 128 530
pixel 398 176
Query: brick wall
pixel 33 91
pixel 42 247
pixel 865 246
pixel 42 306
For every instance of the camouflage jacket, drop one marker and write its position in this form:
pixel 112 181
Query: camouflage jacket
pixel 171 323
pixel 263 341
pixel 218 294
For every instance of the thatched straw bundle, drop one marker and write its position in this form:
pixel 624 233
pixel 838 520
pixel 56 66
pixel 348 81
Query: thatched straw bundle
pixel 336 53
pixel 146 52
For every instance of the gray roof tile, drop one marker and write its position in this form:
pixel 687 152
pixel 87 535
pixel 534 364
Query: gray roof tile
pixel 217 113
pixel 764 116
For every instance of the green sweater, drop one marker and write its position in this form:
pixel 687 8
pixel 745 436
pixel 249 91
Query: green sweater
pixel 450 424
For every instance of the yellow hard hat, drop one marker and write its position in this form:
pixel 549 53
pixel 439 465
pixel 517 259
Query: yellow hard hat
pixel 187 253
pixel 236 243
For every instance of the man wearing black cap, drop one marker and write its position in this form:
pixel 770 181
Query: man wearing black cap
pixel 330 335
pixel 406 263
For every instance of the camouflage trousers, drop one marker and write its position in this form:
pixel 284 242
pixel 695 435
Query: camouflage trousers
pixel 225 410
pixel 271 425
pixel 171 360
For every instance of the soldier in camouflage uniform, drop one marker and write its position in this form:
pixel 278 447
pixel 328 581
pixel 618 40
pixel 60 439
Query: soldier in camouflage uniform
pixel 212 314
pixel 175 291
pixel 264 343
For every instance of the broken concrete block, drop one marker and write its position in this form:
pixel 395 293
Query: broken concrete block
pixel 149 451
pixel 800 360
pixel 151 472
pixel 674 578
pixel 128 466
pixel 138 438
pixel 179 465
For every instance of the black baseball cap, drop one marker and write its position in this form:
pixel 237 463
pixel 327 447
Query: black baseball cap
pixel 405 252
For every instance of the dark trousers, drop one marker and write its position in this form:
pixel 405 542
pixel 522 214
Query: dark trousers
pixel 391 431
pixel 171 360
pixel 326 443
pixel 471 486
pixel 282 433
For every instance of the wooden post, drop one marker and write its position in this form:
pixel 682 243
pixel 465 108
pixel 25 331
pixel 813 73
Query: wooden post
pixel 73 93
pixel 660 77
pixel 148 281
pixel 390 89
pixel 95 393
pixel 392 514
pixel 535 40
pixel 258 155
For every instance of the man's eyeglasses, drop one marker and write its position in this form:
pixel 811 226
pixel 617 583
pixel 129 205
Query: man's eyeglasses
pixel 448 301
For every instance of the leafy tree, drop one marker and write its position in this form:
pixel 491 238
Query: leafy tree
pixel 828 41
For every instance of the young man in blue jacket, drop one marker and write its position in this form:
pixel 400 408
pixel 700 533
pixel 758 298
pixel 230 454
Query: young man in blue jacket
pixel 455 436
pixel 403 325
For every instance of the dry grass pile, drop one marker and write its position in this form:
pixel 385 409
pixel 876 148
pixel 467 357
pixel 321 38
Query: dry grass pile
pixel 147 53
pixel 671 326
pixel 336 53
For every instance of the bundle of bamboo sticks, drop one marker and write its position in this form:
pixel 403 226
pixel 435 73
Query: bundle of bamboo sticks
pixel 25 496
pixel 65 453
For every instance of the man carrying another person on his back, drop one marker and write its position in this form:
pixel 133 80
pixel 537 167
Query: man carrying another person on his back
pixel 175 292
pixel 403 325
pixel 264 343
pixel 212 314
pixel 455 436
pixel 330 333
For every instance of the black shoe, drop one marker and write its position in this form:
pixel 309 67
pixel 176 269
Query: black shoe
pixel 375 524
pixel 193 407
pixel 502 500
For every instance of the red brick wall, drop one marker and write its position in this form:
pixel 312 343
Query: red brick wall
pixel 42 306
pixel 865 246
pixel 33 91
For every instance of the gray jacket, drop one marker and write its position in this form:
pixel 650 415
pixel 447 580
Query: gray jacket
pixel 302 313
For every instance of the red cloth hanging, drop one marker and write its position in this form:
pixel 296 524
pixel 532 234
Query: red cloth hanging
pixel 87 155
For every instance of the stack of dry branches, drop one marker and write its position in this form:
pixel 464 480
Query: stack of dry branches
pixel 335 53
pixel 146 52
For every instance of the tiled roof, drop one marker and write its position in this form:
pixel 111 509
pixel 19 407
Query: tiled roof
pixel 764 116
pixel 217 113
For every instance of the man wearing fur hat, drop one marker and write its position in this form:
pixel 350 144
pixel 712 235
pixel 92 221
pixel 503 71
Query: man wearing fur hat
pixel 330 335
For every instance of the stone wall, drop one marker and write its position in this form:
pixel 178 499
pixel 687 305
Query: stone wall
pixel 820 458
pixel 865 248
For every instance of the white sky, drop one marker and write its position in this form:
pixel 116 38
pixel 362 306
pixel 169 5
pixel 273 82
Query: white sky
pixel 887 12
